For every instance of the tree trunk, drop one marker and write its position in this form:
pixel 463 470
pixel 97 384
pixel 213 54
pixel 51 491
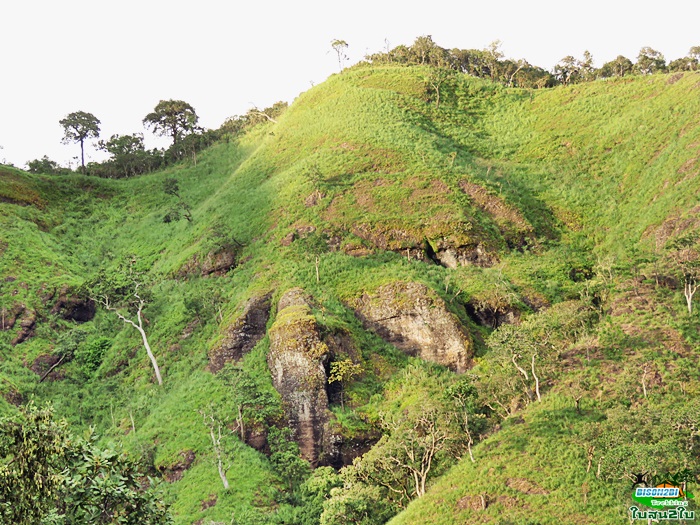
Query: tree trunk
pixel 148 349
pixel 52 368
pixel 240 423
pixel 689 290
pixel 219 463
pixel 537 380
pixel 82 155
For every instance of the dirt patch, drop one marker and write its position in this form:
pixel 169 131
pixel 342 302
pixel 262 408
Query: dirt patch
pixel 638 302
pixel 674 78
pixel 210 501
pixel 314 199
pixel 176 471
pixel 674 226
pixel 494 205
pixel 510 502
pixel 14 397
pixel 476 502
pixel 688 166
pixel 525 486
pixel 435 192
pixel 9 316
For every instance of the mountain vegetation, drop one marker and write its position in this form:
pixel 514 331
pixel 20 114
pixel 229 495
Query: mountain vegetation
pixel 431 290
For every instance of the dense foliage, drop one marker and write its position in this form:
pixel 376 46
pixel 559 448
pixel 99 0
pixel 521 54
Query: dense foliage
pixel 48 475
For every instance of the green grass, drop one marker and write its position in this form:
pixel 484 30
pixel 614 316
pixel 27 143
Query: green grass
pixel 582 173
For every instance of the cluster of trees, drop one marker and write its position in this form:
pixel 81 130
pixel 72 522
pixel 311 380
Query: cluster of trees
pixel 420 441
pixel 128 155
pixel 49 475
pixel 491 63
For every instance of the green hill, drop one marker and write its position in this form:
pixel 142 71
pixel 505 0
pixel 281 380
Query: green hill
pixel 380 223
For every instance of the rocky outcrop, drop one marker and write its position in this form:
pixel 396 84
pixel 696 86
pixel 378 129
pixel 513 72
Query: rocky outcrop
pixel 217 262
pixel 72 307
pixel 414 319
pixel 492 315
pixel 46 367
pixel 243 334
pixel 449 255
pixel 175 471
pixel 9 316
pixel 296 360
pixel 26 324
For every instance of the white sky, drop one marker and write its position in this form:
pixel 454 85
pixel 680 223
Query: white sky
pixel 117 59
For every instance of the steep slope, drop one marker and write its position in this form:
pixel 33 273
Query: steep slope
pixel 402 219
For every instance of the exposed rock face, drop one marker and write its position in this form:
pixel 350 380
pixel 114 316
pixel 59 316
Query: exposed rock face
pixel 296 361
pixel 243 334
pixel 43 363
pixel 9 316
pixel 451 256
pixel 74 308
pixel 175 472
pixel 217 262
pixel 412 317
pixel 26 325
pixel 492 313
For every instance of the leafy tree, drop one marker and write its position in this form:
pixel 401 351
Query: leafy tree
pixel 425 51
pixel 286 458
pixel 493 56
pixel 47 475
pixel 79 126
pixel 343 371
pixel 619 67
pixel 421 438
pixel 181 208
pixel 314 492
pixel 237 124
pixel 650 61
pixel 649 441
pixel 358 504
pixel 33 451
pixel 588 71
pixel 690 62
pixel 467 409
pixel 685 252
pixel 253 403
pixel 339 46
pixel 129 156
pixel 568 70
pixel 172 118
pixel 46 166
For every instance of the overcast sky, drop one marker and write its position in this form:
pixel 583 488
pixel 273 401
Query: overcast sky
pixel 118 59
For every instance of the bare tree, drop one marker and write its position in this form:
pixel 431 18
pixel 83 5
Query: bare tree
pixel 339 46
pixel 685 252
pixel 414 449
pixel 214 426
pixel 104 300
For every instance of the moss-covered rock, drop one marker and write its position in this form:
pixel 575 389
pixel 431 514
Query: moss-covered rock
pixel 243 334
pixel 414 319
pixel 296 361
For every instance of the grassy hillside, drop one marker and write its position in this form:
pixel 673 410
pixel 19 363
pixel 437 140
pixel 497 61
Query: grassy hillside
pixel 514 208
